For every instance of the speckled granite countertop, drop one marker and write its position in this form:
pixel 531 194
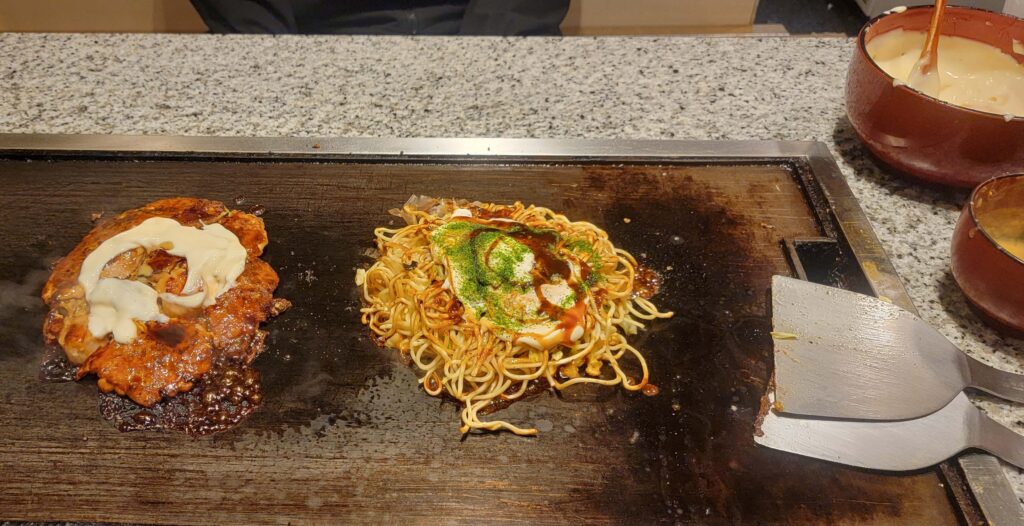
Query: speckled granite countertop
pixel 635 88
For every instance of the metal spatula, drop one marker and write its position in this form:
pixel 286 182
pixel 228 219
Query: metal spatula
pixel 846 355
pixel 894 446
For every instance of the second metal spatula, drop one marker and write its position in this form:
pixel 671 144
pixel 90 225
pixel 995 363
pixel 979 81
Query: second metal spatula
pixel 893 446
pixel 846 355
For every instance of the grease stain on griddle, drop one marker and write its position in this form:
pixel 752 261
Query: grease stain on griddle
pixel 345 421
pixel 55 366
pixel 220 400
pixel 21 308
pixel 698 432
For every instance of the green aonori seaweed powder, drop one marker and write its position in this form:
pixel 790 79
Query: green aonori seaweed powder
pixel 513 274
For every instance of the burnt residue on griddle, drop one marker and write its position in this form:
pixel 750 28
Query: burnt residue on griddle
pixel 345 425
pixel 691 452
pixel 535 388
pixel 318 353
pixel 220 400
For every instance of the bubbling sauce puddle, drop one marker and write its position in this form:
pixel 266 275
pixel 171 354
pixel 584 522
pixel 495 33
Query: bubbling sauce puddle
pixel 646 282
pixel 227 394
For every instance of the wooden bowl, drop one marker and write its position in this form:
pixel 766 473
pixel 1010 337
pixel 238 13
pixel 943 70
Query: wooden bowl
pixel 984 266
pixel 922 136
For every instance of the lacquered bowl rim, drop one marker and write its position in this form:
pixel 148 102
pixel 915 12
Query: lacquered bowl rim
pixel 979 226
pixel 862 48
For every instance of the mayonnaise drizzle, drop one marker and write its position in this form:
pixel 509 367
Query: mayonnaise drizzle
pixel 215 260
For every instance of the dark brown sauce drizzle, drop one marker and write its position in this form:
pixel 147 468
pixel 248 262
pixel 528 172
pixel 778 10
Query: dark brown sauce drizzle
pixel 222 398
pixel 546 266
pixel 171 334
pixel 456 310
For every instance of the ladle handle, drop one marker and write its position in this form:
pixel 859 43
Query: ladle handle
pixel 1003 384
pixel 930 50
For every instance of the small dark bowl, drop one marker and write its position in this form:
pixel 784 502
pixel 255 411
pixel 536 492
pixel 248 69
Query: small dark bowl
pixel 990 275
pixel 923 136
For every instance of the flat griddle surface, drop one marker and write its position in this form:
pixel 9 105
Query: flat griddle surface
pixel 346 435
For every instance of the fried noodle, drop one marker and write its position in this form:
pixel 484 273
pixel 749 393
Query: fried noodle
pixel 410 305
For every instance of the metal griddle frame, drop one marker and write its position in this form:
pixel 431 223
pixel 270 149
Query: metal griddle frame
pixel 975 480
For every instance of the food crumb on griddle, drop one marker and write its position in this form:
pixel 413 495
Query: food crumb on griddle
pixel 307 276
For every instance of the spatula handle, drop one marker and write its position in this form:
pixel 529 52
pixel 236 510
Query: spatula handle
pixel 1000 441
pixel 994 381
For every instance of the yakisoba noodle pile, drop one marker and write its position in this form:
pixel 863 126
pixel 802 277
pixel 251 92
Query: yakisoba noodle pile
pixel 487 299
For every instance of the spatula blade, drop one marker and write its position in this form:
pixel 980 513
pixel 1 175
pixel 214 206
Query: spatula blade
pixel 846 355
pixel 891 446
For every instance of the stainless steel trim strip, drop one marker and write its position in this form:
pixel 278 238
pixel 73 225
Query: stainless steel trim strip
pixel 989 485
pixel 991 489
pixel 412 147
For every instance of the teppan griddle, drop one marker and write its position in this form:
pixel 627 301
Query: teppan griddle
pixel 346 435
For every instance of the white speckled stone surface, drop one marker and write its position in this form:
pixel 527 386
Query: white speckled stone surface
pixel 682 88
